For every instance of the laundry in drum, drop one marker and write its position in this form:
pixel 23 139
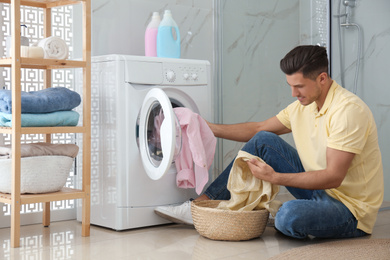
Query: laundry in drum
pixel 154 122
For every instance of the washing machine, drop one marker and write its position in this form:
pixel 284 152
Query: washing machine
pixel 132 157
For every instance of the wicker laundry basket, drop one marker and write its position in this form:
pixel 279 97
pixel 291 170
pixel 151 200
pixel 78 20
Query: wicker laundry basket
pixel 219 224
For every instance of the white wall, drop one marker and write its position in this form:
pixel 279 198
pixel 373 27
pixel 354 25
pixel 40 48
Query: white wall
pixel 256 36
pixel 118 26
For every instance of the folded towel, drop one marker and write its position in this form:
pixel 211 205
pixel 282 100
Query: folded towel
pixel 60 118
pixel 41 149
pixel 41 101
pixel 54 48
pixel 246 191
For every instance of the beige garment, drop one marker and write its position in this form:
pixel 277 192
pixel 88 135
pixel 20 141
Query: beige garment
pixel 246 191
pixel 41 149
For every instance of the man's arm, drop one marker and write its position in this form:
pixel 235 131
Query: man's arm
pixel 243 132
pixel 338 163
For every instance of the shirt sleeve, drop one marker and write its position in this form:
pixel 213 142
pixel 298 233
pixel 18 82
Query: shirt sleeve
pixel 284 115
pixel 349 128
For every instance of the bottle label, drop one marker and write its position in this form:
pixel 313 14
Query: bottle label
pixel 168 43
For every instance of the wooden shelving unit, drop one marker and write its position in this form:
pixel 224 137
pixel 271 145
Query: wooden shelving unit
pixel 44 63
pixel 16 63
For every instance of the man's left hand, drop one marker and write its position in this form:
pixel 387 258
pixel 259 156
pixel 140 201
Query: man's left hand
pixel 261 170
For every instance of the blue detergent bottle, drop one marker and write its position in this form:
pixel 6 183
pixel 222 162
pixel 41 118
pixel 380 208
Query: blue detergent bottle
pixel 168 37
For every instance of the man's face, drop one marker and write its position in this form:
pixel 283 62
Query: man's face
pixel 304 89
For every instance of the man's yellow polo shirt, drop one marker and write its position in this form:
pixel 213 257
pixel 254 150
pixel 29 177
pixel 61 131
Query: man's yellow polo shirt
pixel 344 123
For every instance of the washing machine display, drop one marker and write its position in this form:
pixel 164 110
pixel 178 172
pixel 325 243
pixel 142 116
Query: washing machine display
pixel 135 135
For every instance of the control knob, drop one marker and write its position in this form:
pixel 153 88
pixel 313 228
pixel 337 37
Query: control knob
pixel 170 75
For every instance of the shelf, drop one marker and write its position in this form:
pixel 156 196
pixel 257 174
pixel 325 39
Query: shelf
pixel 46 130
pixel 45 3
pixel 44 63
pixel 63 194
pixel 16 64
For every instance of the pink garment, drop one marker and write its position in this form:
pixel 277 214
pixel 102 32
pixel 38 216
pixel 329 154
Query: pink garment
pixel 197 152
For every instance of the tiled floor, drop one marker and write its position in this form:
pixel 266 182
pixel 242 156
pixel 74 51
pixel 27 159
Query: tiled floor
pixel 62 240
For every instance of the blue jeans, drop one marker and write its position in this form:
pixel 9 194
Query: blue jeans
pixel 313 212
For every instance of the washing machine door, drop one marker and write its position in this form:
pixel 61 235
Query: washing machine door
pixel 159 134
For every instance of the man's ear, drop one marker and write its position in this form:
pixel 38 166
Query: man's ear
pixel 323 77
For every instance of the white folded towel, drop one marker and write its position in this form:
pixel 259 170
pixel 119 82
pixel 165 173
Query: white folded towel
pixel 54 48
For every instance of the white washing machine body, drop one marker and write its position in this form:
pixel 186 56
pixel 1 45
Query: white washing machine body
pixel 126 182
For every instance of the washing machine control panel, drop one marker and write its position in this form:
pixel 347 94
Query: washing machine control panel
pixel 185 74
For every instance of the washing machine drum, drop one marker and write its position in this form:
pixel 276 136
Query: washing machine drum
pixel 159 134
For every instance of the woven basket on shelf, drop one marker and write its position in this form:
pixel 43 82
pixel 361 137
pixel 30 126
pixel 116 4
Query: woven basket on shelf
pixel 33 177
pixel 219 224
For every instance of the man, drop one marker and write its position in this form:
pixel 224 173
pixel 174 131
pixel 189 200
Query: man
pixel 335 173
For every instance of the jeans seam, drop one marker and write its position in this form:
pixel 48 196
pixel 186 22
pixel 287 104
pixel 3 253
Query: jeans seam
pixel 211 196
pixel 280 154
pixel 343 226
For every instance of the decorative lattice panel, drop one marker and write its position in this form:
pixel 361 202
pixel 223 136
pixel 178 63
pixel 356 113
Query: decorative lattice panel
pixel 32 79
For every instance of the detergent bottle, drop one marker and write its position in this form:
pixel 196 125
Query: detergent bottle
pixel 151 35
pixel 168 37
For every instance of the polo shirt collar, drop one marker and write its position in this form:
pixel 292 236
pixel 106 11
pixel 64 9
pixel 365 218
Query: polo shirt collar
pixel 328 100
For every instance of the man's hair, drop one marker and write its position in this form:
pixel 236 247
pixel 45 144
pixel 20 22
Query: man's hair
pixel 310 60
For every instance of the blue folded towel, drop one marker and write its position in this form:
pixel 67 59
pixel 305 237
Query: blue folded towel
pixel 41 101
pixel 60 118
